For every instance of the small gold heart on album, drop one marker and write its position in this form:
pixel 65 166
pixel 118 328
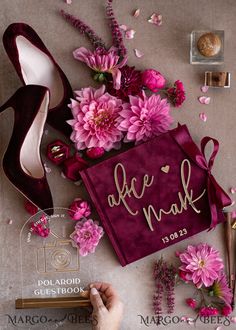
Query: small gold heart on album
pixel 165 169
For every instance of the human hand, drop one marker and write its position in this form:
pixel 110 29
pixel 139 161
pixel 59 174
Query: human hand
pixel 107 307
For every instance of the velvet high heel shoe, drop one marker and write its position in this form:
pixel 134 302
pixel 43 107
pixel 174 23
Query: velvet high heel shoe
pixel 34 64
pixel 22 162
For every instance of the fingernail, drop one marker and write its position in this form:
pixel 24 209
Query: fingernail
pixel 94 291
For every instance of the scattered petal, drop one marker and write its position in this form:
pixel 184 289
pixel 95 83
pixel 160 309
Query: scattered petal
pixel 155 19
pixel 47 169
pixel 218 328
pixel 69 2
pixel 233 214
pixel 232 204
pixel 184 319
pixel 204 89
pixel 203 116
pixel 63 175
pixel 129 34
pixel 9 221
pixel 204 99
pixel 123 27
pixel 136 13
pixel 138 53
pixel 78 183
pixel 233 190
pixel 233 319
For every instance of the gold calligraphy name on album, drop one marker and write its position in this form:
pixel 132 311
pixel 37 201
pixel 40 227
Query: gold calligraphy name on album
pixel 127 191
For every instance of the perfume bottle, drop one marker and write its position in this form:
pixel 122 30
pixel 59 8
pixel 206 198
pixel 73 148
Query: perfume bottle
pixel 207 47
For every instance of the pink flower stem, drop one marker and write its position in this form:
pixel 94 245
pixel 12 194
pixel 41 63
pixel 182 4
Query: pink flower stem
pixel 84 29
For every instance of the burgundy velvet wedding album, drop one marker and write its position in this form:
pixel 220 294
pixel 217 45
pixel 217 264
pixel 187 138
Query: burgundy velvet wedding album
pixel 156 194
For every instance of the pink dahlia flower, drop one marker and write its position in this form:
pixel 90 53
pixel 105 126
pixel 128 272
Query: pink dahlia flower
pixel 95 122
pixel 102 61
pixel 202 264
pixel 145 117
pixel 86 236
pixel 221 290
pixel 79 209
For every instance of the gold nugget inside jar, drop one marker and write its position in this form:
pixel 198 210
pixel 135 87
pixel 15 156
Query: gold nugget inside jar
pixel 209 44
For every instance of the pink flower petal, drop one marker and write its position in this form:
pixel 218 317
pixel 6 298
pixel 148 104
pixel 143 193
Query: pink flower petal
pixel 232 204
pixel 78 183
pixel 136 13
pixel 204 99
pixel 9 221
pixel 69 2
pixel 47 169
pixel 138 53
pixel 123 27
pixel 203 116
pixel 204 89
pixel 233 214
pixel 233 319
pixel 155 19
pixel 233 190
pixel 129 34
pixel 63 175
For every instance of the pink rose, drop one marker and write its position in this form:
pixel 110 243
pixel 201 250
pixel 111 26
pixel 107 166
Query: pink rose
pixel 153 80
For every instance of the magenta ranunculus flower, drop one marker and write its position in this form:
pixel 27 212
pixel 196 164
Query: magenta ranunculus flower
pixel 102 61
pixel 153 80
pixel 79 209
pixel 86 236
pixel 96 119
pixel 145 117
pixel 202 264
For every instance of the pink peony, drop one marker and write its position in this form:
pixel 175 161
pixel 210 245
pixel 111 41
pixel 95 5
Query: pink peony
pixel 79 209
pixel 191 303
pixel 145 117
pixel 226 310
pixel 86 236
pixel 153 80
pixel 221 289
pixel 177 93
pixel 208 311
pixel 95 122
pixel 202 264
pixel 102 61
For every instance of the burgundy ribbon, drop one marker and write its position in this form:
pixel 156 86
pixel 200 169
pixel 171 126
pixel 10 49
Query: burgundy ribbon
pixel 218 198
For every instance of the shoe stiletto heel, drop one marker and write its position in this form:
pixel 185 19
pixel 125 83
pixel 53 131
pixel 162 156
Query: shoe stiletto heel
pixel 22 162
pixel 34 64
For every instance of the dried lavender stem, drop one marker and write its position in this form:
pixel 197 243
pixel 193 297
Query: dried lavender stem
pixel 84 29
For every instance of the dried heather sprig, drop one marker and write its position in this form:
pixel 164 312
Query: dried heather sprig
pixel 164 275
pixel 157 299
pixel 84 29
pixel 117 37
